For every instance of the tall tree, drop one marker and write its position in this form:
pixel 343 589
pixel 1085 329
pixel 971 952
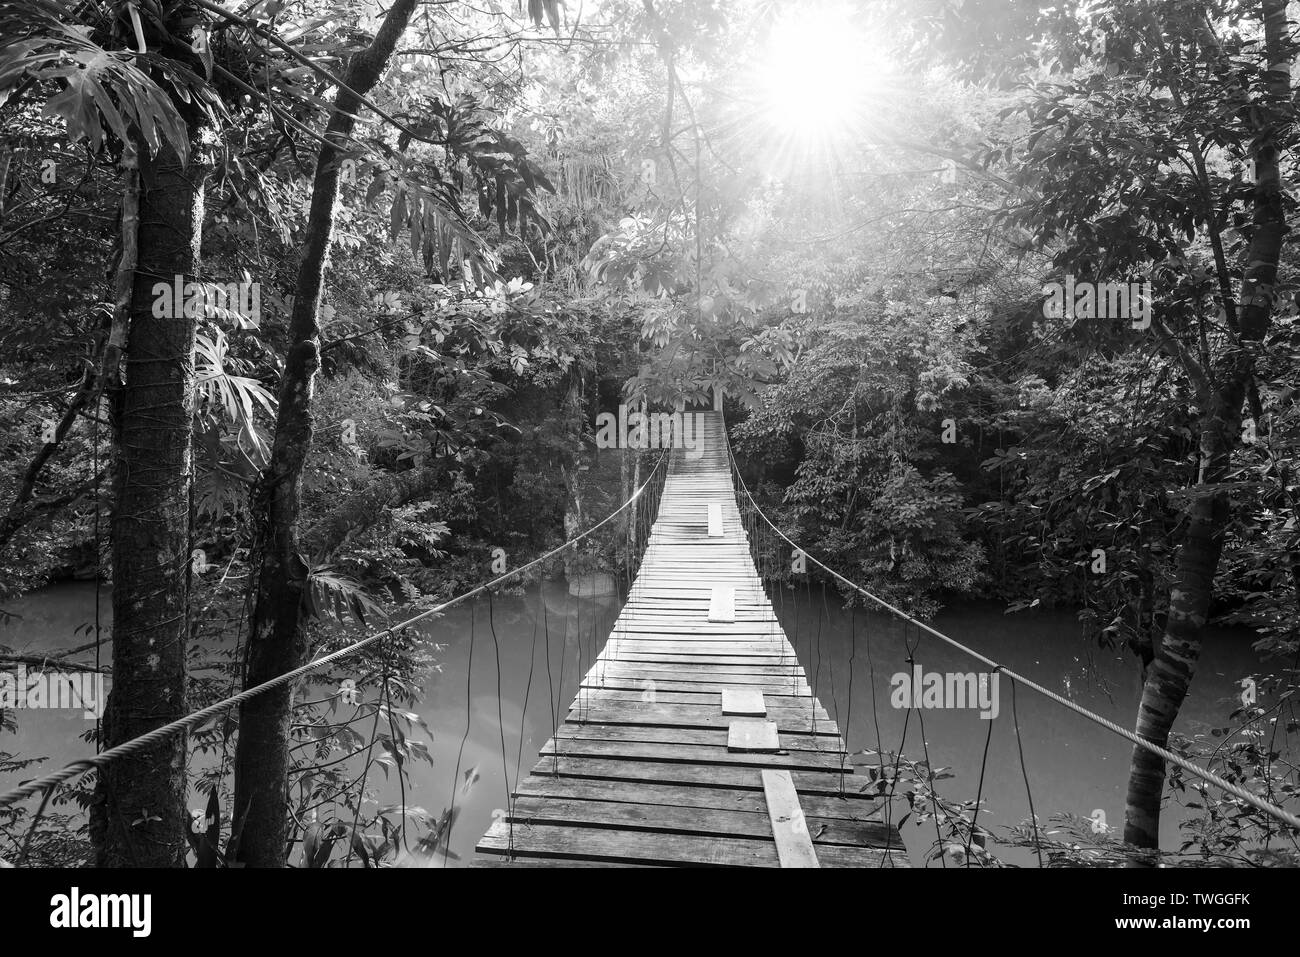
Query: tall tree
pixel 1225 393
pixel 100 76
pixel 144 795
pixel 277 637
pixel 141 817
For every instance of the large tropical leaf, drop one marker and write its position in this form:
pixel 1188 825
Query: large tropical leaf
pixel 234 395
pixel 94 91
pixel 331 595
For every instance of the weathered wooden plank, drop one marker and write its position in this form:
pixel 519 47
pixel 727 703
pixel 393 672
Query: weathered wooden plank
pixel 715 519
pixel 687 631
pixel 690 660
pixel 690 716
pixel 749 735
pixel 768 642
pixel 823 781
pixel 629 683
pixel 826 744
pixel 501 860
pixel 752 821
pixel 850 807
pixel 695 607
pixel 689 754
pixel 794 844
pixel 710 696
pixel 743 701
pixel 703 670
pixel 722 604
pixel 674 603
pixel 771 654
pixel 764 623
pixel 698 667
pixel 615 675
pixel 696 616
pixel 689 649
pixel 588 843
pixel 639 847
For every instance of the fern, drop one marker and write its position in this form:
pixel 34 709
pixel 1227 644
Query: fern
pixel 333 596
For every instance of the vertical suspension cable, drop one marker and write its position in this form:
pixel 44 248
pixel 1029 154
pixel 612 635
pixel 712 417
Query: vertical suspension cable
pixel 835 701
pixel 523 711
pixel 875 711
pixel 816 644
pixel 562 716
pixel 1033 817
pixel 846 729
pixel 577 628
pixel 469 698
pixel 979 794
pixel 929 771
pixel 501 731
pixel 902 741
pixel 552 693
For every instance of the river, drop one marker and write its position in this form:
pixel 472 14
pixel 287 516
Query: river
pixel 477 710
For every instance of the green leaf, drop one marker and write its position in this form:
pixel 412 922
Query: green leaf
pixel 96 91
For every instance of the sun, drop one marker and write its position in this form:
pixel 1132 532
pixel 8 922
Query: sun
pixel 817 81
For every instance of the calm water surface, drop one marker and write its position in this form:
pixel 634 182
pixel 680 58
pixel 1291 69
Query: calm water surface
pixel 494 700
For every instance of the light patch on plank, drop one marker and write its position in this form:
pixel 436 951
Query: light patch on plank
pixel 794 846
pixel 750 735
pixel 744 702
pixel 722 603
pixel 715 519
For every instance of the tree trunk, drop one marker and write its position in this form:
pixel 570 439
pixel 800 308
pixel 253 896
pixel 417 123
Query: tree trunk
pixel 277 634
pixel 140 818
pixel 1171 672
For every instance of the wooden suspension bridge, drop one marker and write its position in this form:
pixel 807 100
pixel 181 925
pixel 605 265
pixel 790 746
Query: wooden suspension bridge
pixel 695 738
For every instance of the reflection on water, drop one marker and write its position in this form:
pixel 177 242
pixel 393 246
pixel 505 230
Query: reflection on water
pixel 1072 765
pixel 46 622
pixel 507 674
pixel 508 670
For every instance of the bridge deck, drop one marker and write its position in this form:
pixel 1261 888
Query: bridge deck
pixel 641 771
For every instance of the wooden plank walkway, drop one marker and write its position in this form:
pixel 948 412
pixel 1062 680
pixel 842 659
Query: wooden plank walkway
pixel 640 772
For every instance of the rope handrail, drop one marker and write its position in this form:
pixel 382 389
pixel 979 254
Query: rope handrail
pixel 149 739
pixel 1194 769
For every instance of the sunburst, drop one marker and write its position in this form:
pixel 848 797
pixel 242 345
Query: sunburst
pixel 817 91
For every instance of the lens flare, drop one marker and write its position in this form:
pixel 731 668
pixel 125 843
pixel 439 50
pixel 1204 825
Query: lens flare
pixel 818 85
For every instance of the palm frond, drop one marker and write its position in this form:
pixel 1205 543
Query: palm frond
pixel 333 596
